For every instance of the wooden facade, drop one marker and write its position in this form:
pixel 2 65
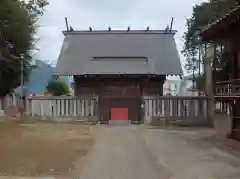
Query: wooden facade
pixel 119 91
pixel 225 31
pixel 119 67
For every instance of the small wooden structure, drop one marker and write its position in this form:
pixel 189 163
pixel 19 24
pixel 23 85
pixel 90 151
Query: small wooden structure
pixel 119 67
pixel 226 31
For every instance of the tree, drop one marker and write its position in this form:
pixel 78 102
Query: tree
pixel 200 82
pixel 204 14
pixel 58 88
pixel 18 23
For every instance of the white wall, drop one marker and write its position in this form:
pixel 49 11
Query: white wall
pixel 171 83
pixel 184 88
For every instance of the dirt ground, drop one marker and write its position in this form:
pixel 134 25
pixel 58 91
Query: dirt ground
pixel 120 151
pixel 140 152
pixel 43 149
pixel 195 153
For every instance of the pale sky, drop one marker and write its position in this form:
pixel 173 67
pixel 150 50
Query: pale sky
pixel 99 14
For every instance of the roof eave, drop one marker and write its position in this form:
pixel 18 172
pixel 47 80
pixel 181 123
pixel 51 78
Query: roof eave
pixel 209 29
pixel 71 74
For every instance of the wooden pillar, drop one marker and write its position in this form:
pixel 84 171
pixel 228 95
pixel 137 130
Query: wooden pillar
pixel 236 101
pixel 199 70
pixel 209 57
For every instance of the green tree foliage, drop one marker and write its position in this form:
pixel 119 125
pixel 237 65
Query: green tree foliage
pixel 58 88
pixel 18 23
pixel 203 14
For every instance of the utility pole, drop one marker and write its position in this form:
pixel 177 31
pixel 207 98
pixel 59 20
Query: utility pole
pixel 22 81
pixel 21 77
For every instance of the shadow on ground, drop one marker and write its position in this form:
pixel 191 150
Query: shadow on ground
pixel 194 153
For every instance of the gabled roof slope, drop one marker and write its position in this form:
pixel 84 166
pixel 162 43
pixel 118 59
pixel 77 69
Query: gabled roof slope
pixel 119 52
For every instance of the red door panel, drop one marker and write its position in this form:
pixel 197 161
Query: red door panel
pixel 119 113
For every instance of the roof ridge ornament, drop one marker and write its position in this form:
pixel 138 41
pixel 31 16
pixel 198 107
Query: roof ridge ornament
pixel 90 30
pixel 66 22
pixel 167 28
pixel 71 29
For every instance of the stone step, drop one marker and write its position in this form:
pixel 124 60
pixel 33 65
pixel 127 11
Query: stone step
pixel 119 122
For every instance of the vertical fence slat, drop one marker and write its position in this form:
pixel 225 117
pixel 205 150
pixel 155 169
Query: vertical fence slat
pixel 150 108
pixel 50 111
pixel 41 108
pixel 154 107
pixel 54 106
pixel 145 103
pixel 87 107
pixel 27 107
pixel 58 107
pixel 78 107
pixel 188 109
pixel 32 105
pixel 38 112
pixel 82 108
pixel 74 108
pixel 91 107
pixel 62 104
pixel 66 107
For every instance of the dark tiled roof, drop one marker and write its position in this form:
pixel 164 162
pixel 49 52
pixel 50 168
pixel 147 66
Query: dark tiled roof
pixel 230 17
pixel 119 52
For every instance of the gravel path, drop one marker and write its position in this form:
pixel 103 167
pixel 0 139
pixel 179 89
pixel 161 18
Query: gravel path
pixel 120 153
pixel 194 153
pixel 135 152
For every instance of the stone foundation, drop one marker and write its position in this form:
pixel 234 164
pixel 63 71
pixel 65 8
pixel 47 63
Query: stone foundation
pixel 160 121
pixel 2 113
pixel 91 119
pixel 222 125
pixel 153 121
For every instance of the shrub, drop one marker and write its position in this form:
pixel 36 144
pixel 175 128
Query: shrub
pixel 58 88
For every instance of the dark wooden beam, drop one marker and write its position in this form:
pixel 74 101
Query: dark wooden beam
pixel 223 27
